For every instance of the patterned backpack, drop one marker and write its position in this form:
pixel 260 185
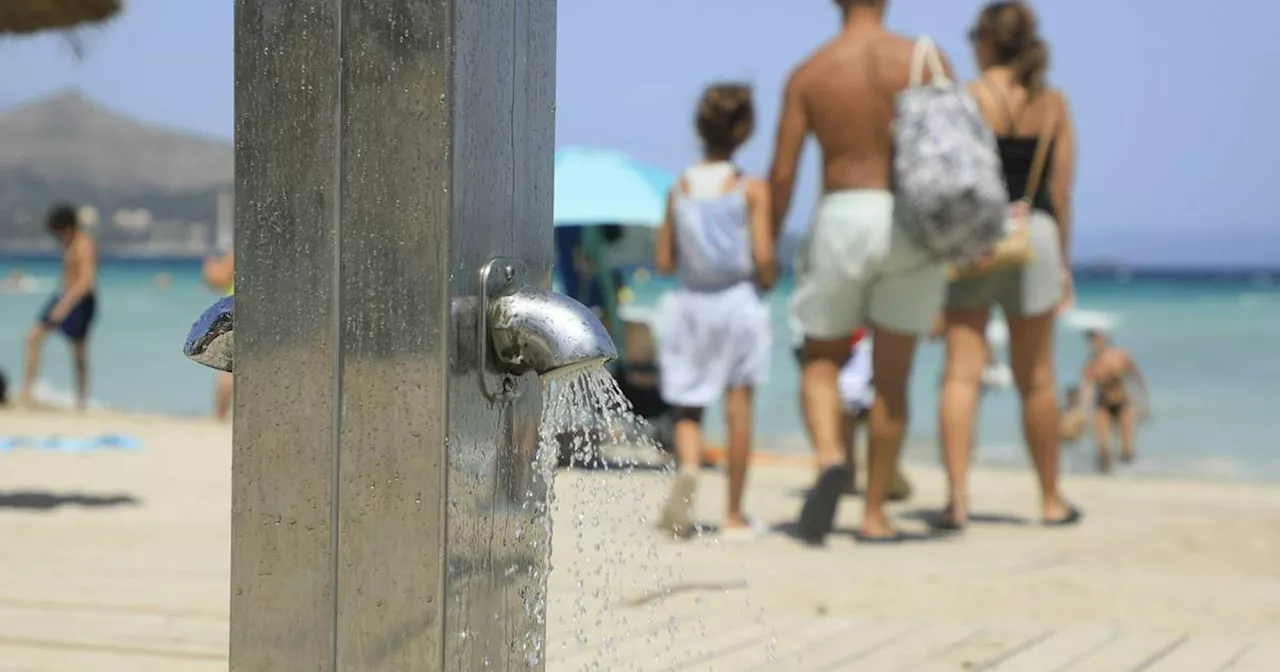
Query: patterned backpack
pixel 951 196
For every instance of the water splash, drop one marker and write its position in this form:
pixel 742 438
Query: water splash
pixel 587 422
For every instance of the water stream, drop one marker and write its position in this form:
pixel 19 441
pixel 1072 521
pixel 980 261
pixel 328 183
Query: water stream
pixel 617 575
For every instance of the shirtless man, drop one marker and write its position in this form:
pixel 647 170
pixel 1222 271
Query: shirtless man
pixel 1104 378
pixel 854 267
pixel 71 310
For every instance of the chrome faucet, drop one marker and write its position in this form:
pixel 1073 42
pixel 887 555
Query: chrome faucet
pixel 527 329
pixel 211 339
pixel 534 330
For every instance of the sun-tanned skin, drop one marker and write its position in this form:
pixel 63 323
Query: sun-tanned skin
pixel 844 95
pixel 79 278
pixel 1104 386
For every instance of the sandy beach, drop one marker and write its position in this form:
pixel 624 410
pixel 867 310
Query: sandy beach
pixel 117 560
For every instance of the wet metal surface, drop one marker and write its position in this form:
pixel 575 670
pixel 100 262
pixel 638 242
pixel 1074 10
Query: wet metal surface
pixel 385 152
pixel 211 341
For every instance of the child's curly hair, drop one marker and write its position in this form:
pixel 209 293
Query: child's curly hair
pixel 726 117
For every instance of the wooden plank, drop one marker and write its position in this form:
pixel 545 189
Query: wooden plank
pixel 1129 651
pixel 617 625
pixel 675 637
pixel 841 646
pixel 983 651
pixel 903 652
pixel 789 648
pixel 54 655
pixel 693 653
pixel 1058 651
pixel 1200 652
pixel 1262 656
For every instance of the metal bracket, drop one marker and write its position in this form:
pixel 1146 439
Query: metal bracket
pixel 499 277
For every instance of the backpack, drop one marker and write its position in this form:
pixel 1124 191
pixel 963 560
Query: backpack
pixel 951 198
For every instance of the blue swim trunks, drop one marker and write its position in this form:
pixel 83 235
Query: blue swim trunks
pixel 78 321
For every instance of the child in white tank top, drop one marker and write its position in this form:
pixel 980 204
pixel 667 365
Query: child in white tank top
pixel 715 338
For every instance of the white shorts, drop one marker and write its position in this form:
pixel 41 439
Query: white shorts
pixel 711 341
pixel 856 268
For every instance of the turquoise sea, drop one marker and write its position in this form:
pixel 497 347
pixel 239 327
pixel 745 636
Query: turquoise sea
pixel 1208 343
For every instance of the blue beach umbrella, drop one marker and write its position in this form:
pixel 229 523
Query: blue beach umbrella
pixel 605 186
pixel 594 188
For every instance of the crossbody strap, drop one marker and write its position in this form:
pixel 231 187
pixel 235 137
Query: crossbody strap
pixel 1041 158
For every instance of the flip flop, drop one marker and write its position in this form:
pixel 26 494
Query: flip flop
pixel 945 521
pixel 895 538
pixel 1073 517
pixel 819 512
pixel 677 513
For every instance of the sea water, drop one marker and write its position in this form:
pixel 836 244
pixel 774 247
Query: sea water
pixel 1207 343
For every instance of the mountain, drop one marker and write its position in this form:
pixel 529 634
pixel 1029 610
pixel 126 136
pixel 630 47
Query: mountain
pixel 66 147
pixel 69 137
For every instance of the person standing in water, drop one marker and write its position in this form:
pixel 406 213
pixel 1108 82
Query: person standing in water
pixel 1105 381
pixel 855 267
pixel 1037 147
pixel 72 309
pixel 715 337
pixel 220 275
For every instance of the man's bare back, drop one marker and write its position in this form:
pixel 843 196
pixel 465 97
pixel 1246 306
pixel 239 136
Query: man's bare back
pixel 844 94
pixel 848 88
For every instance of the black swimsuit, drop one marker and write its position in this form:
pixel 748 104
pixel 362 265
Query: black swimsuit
pixel 1113 407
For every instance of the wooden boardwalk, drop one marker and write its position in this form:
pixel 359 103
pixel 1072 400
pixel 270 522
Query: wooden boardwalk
pixel 836 643
pixel 132 577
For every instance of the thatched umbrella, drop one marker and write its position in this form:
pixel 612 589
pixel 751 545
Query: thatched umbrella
pixel 23 17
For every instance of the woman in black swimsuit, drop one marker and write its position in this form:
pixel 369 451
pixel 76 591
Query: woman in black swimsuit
pixel 1036 140
pixel 1107 373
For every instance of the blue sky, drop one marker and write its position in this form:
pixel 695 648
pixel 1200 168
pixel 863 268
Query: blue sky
pixel 1174 99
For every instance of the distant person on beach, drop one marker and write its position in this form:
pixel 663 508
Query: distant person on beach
pixel 1031 120
pixel 716 337
pixel 72 309
pixel 1072 419
pixel 857 396
pixel 17 283
pixel 4 389
pixel 1105 382
pixel 220 276
pixel 855 267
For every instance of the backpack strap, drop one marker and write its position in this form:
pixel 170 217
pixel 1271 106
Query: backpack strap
pixel 925 55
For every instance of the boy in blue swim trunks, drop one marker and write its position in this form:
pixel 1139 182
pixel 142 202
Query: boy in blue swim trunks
pixel 72 309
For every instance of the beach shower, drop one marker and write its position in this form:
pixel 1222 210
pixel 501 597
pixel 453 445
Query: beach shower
pixel 387 374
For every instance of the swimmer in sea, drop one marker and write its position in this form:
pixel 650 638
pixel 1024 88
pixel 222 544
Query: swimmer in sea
pixel 16 283
pixel 1105 380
